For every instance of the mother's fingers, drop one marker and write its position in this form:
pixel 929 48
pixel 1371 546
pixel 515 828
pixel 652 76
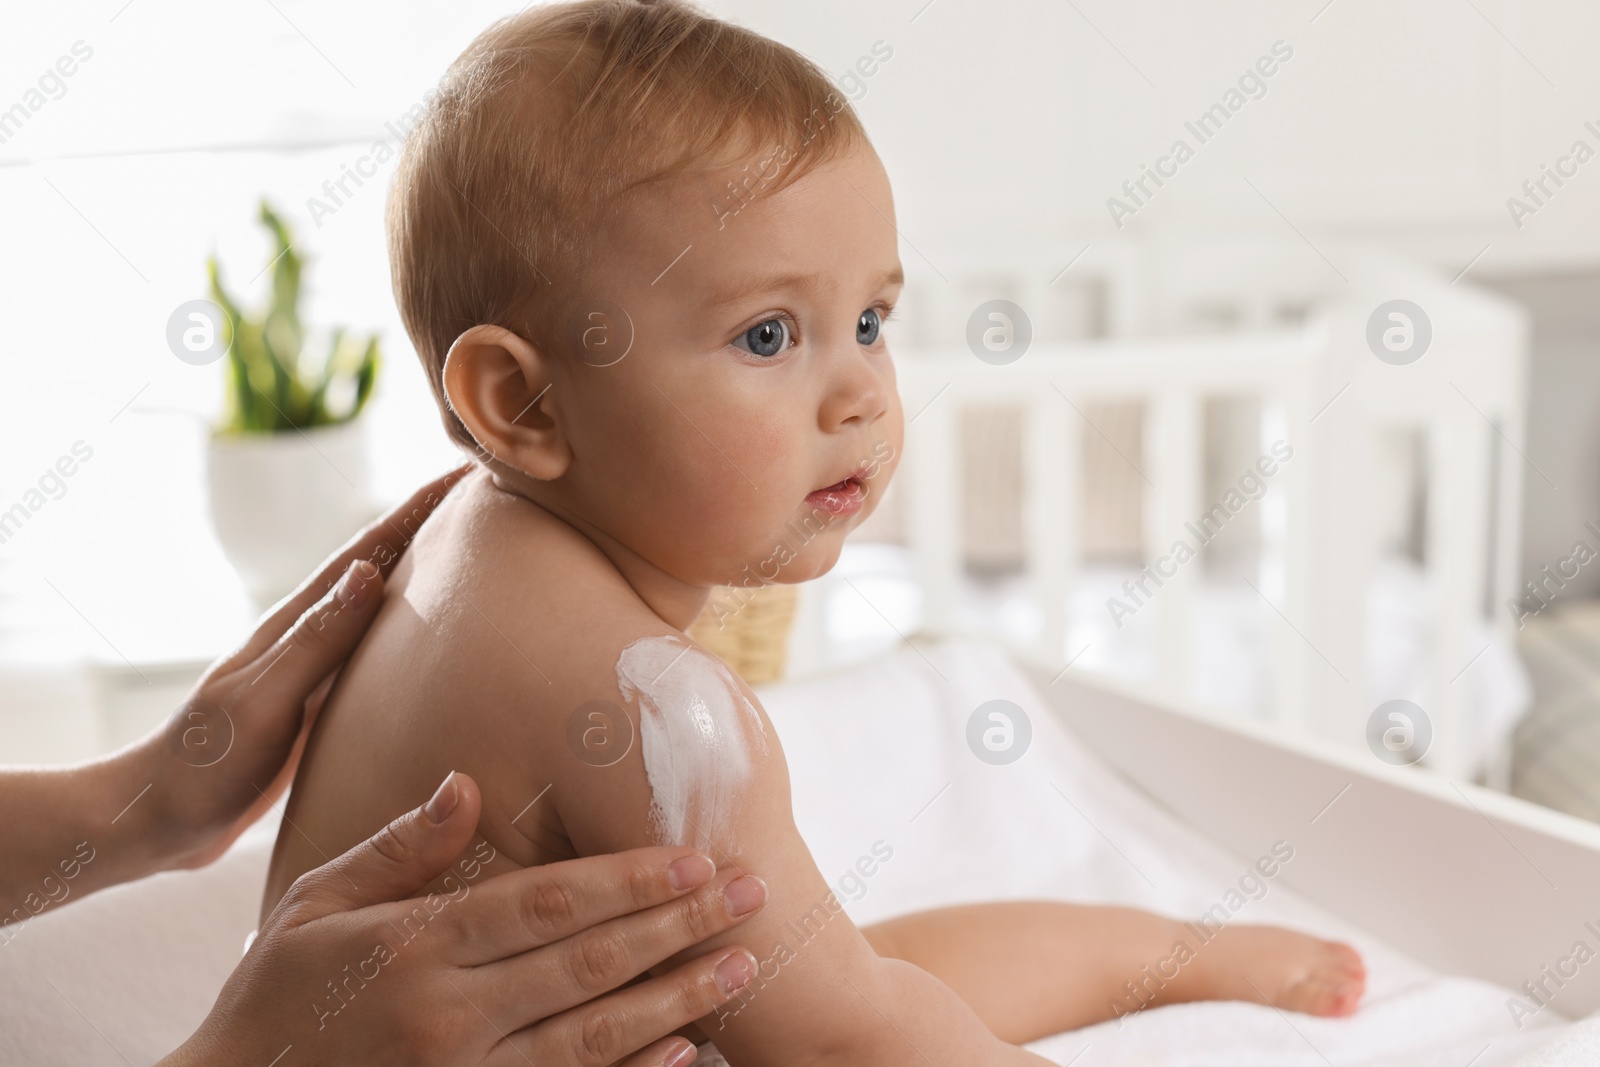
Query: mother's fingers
pixel 382 541
pixel 508 915
pixel 610 954
pixel 605 1030
pixel 288 670
pixel 668 1052
pixel 393 863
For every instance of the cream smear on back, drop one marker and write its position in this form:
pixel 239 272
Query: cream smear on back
pixel 698 735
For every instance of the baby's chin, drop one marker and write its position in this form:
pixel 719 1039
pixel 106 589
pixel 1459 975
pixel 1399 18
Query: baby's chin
pixel 789 559
pixel 818 559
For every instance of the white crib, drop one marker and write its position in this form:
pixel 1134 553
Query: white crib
pixel 1304 358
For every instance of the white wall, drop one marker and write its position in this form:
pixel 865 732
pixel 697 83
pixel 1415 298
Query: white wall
pixel 1403 123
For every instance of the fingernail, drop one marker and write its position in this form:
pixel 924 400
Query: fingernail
pixel 745 895
pixel 353 583
pixel 685 1056
pixel 735 972
pixel 443 801
pixel 690 871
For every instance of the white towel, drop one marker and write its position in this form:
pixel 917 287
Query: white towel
pixel 1577 1045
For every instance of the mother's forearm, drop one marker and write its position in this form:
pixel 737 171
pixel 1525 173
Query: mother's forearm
pixel 72 830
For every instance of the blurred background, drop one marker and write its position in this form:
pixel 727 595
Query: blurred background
pixel 1151 247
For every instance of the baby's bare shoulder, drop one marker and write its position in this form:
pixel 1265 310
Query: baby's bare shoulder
pixel 522 626
pixel 643 734
pixel 520 595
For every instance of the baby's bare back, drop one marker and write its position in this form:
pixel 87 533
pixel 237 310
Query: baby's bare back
pixel 494 625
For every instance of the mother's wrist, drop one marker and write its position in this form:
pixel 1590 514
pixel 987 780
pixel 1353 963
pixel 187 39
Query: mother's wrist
pixel 201 1050
pixel 133 796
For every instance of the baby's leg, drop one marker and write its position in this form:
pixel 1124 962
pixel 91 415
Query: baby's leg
pixel 1031 969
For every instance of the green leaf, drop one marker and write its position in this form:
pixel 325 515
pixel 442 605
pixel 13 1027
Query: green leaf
pixel 271 384
pixel 240 416
pixel 366 375
pixel 283 314
pixel 330 367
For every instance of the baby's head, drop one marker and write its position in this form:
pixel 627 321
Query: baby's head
pixel 645 257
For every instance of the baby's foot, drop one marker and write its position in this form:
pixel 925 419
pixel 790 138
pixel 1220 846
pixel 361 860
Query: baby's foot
pixel 1271 965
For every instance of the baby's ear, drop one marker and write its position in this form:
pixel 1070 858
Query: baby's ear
pixel 499 386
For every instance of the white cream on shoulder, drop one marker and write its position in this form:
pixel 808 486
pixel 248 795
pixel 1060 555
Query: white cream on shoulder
pixel 698 735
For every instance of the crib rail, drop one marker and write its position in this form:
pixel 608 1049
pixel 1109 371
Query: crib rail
pixel 1322 391
pixel 1051 386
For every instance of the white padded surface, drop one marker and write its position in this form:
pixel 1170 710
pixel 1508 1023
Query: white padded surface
pixel 877 753
pixel 126 975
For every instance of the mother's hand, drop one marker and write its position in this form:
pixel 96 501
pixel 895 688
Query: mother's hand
pixel 237 738
pixel 179 796
pixel 500 972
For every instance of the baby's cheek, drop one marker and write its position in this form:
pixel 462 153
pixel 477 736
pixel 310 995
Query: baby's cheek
pixel 771 441
pixel 892 427
pixel 771 453
pixel 888 444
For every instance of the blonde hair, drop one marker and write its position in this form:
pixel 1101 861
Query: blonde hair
pixel 548 125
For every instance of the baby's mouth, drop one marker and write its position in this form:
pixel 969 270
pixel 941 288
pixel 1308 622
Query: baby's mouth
pixel 841 498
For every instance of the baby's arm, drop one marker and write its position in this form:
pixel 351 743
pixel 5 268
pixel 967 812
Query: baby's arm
pixel 822 995
pixel 1034 968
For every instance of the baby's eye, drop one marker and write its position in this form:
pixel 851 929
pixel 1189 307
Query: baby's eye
pixel 867 326
pixel 765 339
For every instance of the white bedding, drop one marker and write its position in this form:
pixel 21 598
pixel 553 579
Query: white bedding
pixel 1229 634
pixel 869 749
pixel 877 753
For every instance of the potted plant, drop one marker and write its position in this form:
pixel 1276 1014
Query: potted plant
pixel 287 464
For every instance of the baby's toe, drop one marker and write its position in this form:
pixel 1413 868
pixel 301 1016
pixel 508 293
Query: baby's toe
pixel 1332 984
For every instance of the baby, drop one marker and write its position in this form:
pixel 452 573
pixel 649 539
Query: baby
pixel 646 258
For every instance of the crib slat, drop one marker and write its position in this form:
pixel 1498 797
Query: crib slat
pixel 1286 559
pixel 932 463
pixel 1051 470
pixel 1174 432
pixel 1459 456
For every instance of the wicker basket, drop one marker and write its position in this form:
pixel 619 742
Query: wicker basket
pixel 748 629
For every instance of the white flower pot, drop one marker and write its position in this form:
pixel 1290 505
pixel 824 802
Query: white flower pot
pixel 281 502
